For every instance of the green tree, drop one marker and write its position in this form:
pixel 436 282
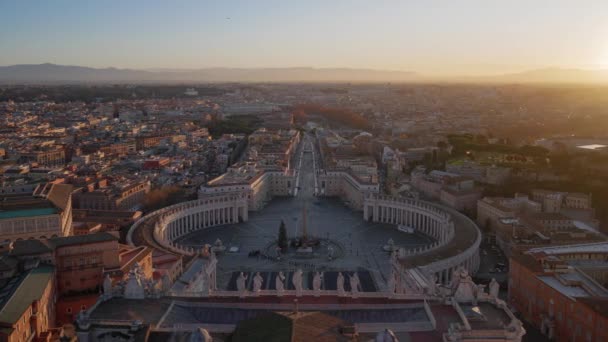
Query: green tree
pixel 282 241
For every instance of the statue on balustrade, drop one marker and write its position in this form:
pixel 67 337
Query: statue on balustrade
pixel 296 280
pixel 241 283
pixel 354 284
pixel 317 281
pixel 107 286
pixel 257 282
pixel 340 284
pixel 279 283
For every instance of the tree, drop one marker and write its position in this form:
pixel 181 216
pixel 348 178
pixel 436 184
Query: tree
pixel 282 241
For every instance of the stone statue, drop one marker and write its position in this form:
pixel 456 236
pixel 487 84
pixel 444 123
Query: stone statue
pixel 354 284
pixel 316 282
pixel 465 288
pixel 340 284
pixel 330 253
pixel 107 286
pixel 494 288
pixel 279 282
pixel 391 283
pixel 257 282
pixel 134 289
pixel 296 280
pixel 241 283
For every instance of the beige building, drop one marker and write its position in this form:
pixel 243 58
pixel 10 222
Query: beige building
pixel 47 157
pixel 44 214
pixel 491 209
pixel 116 197
pixel 257 185
pixel 27 305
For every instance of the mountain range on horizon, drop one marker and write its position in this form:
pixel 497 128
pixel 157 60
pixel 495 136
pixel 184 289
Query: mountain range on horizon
pixel 54 73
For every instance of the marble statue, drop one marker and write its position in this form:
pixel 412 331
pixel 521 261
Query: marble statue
pixel 494 288
pixel 316 282
pixel 354 284
pixel 340 284
pixel 296 280
pixel 465 288
pixel 257 282
pixel 279 283
pixel 241 283
pixel 107 286
pixel 134 289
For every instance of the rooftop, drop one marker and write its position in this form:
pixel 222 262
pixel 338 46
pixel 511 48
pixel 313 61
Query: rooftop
pixel 600 247
pixel 21 291
pixel 25 247
pixel 9 214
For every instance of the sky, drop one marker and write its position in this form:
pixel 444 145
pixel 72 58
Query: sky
pixel 464 37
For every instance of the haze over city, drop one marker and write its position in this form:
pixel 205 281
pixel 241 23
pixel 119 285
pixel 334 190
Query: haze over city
pixel 362 171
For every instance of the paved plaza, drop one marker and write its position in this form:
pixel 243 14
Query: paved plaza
pixel 359 243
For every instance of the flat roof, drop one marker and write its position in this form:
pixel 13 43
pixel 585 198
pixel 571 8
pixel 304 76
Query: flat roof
pixel 9 214
pixel 570 291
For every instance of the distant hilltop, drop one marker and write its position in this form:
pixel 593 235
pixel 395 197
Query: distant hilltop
pixel 53 73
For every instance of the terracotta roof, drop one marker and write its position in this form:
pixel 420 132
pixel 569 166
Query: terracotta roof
pixel 60 195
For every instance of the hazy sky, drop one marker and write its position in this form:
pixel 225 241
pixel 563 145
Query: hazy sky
pixel 451 37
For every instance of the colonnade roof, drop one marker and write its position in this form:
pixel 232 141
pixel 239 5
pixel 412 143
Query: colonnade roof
pixel 465 235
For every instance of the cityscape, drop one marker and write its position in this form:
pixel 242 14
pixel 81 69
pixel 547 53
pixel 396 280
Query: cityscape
pixel 227 194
